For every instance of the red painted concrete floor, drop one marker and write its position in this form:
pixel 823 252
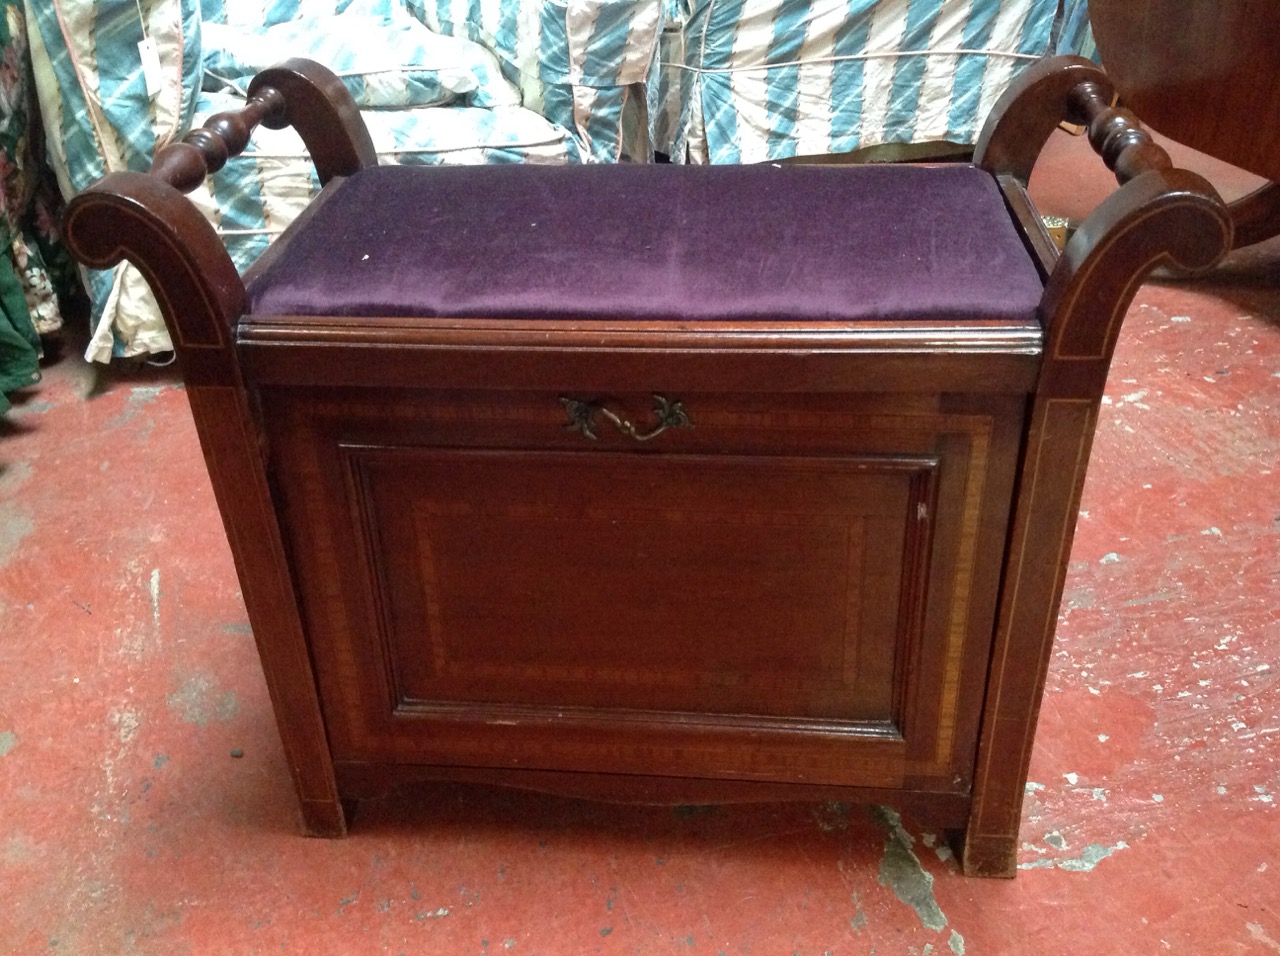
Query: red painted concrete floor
pixel 128 681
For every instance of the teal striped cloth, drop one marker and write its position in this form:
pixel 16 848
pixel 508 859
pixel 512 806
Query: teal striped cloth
pixel 584 64
pixel 1076 34
pixel 386 62
pixel 99 118
pixel 753 80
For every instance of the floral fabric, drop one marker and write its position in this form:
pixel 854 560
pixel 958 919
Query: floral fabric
pixel 28 301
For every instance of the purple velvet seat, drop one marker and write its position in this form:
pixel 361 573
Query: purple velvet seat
pixel 819 243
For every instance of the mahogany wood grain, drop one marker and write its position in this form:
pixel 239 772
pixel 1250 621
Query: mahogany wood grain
pixel 375 780
pixel 1116 135
pixel 185 164
pixel 231 445
pixel 299 350
pixel 774 694
pixel 145 219
pixel 835 575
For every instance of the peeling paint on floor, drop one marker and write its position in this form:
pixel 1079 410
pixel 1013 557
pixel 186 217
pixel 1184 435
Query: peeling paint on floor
pixel 154 591
pixel 8 740
pixel 139 397
pixel 1090 856
pixel 900 870
pixel 15 525
pixel 20 850
pixel 1259 935
pixel 858 921
pixel 198 700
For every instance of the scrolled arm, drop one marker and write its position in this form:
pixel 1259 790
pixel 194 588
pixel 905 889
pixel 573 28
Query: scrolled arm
pixel 141 218
pixel 321 109
pixel 1066 88
pixel 1160 217
pixel 145 218
pixel 1036 102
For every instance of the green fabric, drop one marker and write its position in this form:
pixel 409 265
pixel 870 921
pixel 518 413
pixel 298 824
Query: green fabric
pixel 19 344
pixel 34 267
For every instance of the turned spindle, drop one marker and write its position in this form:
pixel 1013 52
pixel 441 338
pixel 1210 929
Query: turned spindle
pixel 184 165
pixel 1116 134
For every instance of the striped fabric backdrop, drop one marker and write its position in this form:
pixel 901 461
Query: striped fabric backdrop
pixel 1075 34
pixel 386 61
pixel 267 13
pixel 584 64
pixel 99 118
pixel 776 78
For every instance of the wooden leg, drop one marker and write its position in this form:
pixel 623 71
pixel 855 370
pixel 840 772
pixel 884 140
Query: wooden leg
pixel 1166 216
pixel 986 856
pixel 326 818
pixel 1035 569
pixel 240 485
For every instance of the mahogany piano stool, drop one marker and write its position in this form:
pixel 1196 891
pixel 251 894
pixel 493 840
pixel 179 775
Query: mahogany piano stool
pixel 657 483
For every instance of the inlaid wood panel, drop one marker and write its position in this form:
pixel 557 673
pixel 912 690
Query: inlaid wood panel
pixel 796 589
pixel 693 583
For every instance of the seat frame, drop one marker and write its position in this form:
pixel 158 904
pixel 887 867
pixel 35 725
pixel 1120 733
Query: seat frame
pixel 1039 392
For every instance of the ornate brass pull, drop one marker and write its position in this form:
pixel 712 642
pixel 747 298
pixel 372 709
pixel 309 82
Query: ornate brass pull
pixel 582 418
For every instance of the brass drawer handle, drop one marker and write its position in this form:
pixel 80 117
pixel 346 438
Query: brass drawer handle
pixel 582 418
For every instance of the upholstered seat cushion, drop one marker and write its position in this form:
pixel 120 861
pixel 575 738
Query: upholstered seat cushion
pixel 820 243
